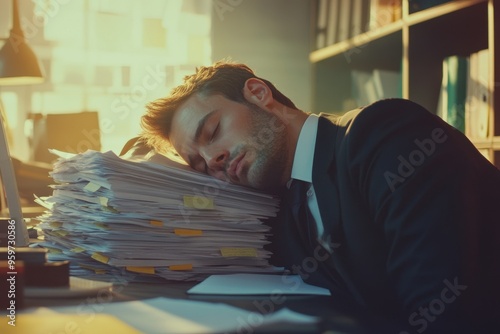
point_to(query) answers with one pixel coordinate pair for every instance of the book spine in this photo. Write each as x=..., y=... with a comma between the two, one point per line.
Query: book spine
x=457, y=72
x=383, y=12
x=333, y=21
x=483, y=91
x=322, y=18
x=344, y=20
x=357, y=18
x=478, y=96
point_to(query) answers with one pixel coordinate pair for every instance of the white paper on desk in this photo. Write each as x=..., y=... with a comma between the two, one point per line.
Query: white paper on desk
x=165, y=315
x=256, y=284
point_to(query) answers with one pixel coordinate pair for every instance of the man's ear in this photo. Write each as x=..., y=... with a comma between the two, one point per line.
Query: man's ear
x=257, y=92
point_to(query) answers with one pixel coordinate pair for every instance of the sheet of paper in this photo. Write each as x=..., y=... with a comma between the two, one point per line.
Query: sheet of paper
x=256, y=284
x=177, y=316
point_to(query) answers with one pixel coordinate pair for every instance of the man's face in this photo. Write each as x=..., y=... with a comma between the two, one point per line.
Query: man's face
x=235, y=142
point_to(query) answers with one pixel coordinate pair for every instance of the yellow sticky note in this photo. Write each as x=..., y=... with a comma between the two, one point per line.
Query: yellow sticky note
x=142, y=270
x=102, y=226
x=77, y=250
x=178, y=267
x=92, y=187
x=61, y=233
x=103, y=201
x=199, y=202
x=184, y=232
x=239, y=252
x=109, y=209
x=53, y=250
x=99, y=257
x=86, y=266
x=55, y=224
x=156, y=223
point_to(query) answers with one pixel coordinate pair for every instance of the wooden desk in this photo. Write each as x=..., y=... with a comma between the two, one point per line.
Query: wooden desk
x=337, y=316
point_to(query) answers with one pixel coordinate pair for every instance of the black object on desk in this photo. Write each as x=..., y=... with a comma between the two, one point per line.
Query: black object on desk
x=37, y=270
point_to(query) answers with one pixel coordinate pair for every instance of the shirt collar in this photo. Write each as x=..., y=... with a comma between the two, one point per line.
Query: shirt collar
x=304, y=152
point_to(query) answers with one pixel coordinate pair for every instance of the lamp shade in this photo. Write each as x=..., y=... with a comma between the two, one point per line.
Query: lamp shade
x=18, y=63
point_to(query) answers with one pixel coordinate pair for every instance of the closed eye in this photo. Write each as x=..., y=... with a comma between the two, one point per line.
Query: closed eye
x=215, y=132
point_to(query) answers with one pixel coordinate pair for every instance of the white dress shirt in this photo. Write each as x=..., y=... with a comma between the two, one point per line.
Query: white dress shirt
x=303, y=165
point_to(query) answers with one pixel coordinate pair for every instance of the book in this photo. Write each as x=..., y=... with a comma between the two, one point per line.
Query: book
x=333, y=22
x=383, y=12
x=442, y=105
x=478, y=96
x=322, y=21
x=471, y=101
x=357, y=18
x=378, y=84
x=453, y=95
x=483, y=91
x=344, y=18
x=363, y=89
x=388, y=84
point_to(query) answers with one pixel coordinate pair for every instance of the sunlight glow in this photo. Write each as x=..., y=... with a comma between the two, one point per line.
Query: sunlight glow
x=113, y=57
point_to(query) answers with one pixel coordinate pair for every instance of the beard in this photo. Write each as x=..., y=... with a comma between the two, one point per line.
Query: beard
x=267, y=149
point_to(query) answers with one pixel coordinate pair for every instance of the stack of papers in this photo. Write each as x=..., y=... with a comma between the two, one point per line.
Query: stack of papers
x=153, y=217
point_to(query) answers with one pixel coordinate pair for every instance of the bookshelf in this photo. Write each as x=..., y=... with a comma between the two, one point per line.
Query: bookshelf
x=414, y=44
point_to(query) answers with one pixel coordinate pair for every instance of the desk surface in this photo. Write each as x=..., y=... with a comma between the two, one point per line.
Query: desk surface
x=337, y=315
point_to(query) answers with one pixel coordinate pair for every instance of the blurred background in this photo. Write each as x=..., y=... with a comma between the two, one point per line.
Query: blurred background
x=103, y=60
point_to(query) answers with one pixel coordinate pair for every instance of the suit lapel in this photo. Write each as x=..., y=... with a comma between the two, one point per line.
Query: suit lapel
x=329, y=137
x=324, y=180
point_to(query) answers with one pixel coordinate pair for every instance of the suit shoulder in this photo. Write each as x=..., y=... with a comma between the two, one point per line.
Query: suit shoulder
x=387, y=109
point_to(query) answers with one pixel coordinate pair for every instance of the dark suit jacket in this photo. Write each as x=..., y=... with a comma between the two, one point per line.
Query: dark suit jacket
x=413, y=211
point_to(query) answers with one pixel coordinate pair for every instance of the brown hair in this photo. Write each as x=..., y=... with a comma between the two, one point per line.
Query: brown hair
x=223, y=77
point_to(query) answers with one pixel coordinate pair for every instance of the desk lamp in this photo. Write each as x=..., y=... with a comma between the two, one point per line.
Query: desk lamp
x=18, y=66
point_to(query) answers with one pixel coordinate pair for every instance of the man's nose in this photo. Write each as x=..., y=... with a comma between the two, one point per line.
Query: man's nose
x=216, y=160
